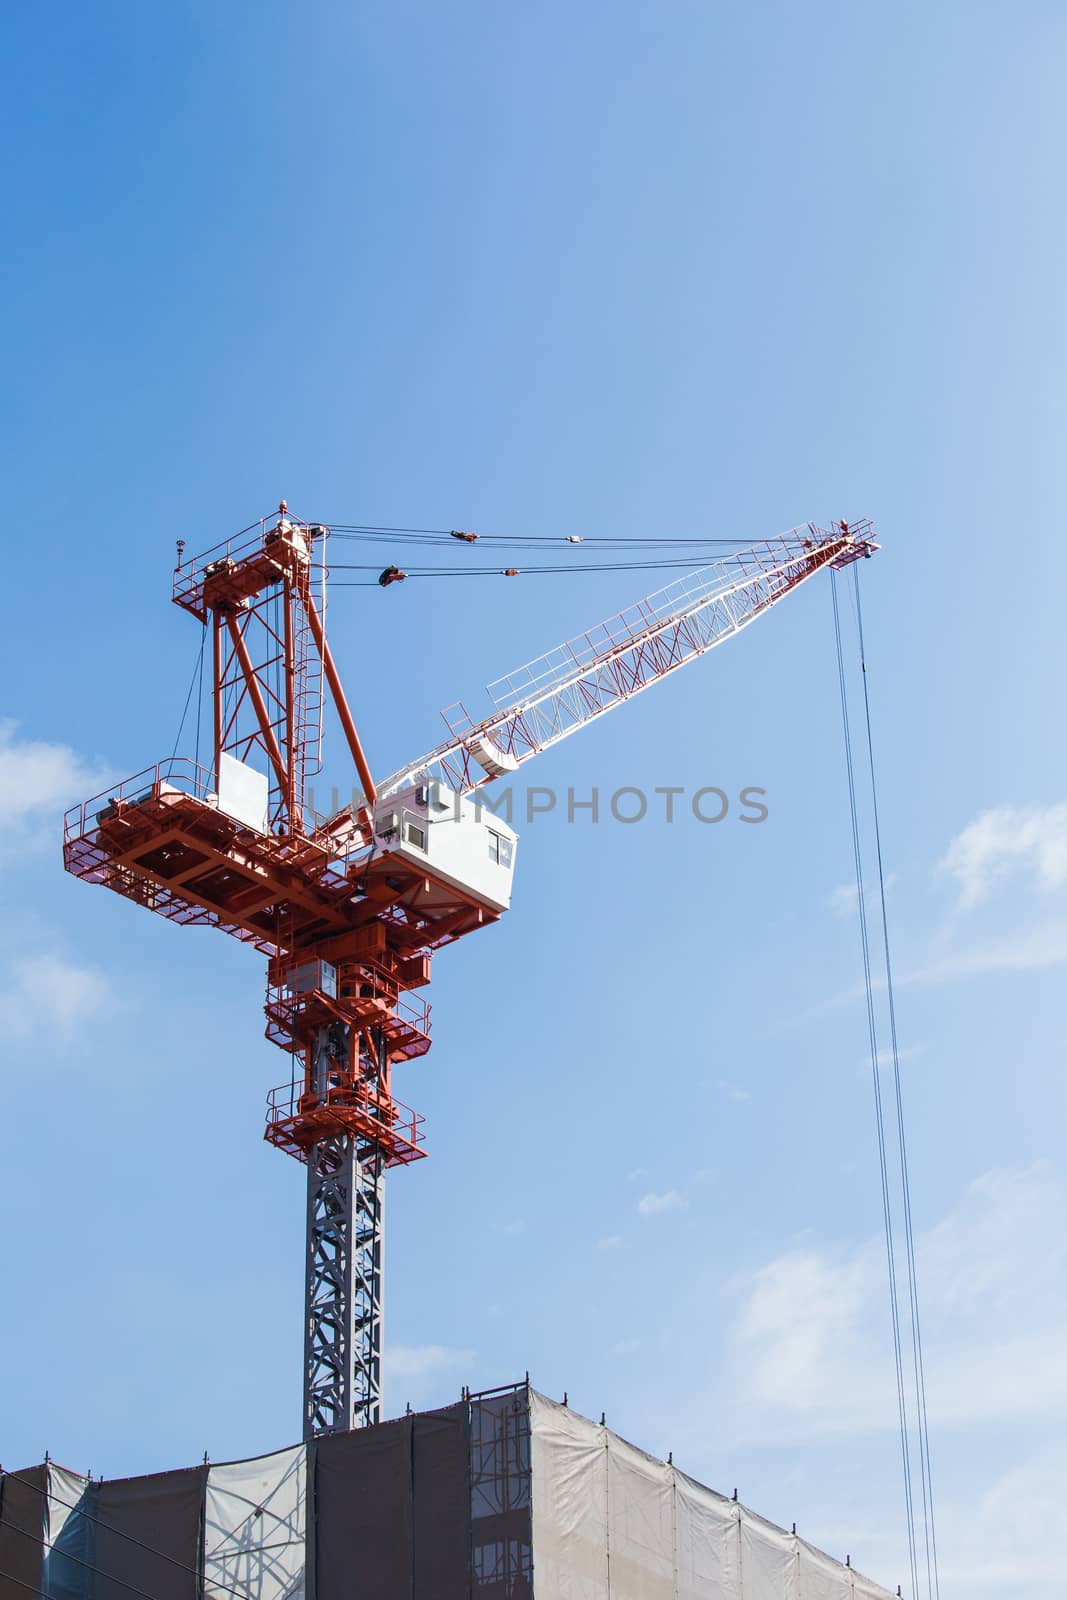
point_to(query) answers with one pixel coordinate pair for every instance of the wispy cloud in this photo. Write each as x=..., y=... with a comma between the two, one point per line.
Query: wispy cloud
x=1006, y=840
x=810, y=1342
x=654, y=1205
x=37, y=780
x=47, y=991
x=732, y=1092
x=1029, y=950
x=610, y=1241
x=516, y=1225
x=843, y=900
x=624, y=1347
x=421, y=1360
x=424, y=1374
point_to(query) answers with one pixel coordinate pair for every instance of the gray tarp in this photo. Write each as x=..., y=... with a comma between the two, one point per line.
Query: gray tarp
x=611, y=1523
x=141, y=1522
x=363, y=1513
x=22, y=1521
x=255, y=1523
x=69, y=1544
x=441, y=1503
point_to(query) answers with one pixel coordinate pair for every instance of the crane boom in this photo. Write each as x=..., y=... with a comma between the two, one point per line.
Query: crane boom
x=551, y=697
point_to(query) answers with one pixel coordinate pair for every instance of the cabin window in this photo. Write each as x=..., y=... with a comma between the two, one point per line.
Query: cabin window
x=499, y=848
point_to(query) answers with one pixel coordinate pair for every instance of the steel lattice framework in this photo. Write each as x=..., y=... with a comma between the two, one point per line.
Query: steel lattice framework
x=343, y=1306
x=349, y=924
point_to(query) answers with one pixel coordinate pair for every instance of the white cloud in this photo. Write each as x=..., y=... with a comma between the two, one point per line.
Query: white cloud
x=510, y=1228
x=38, y=779
x=843, y=900
x=732, y=1092
x=424, y=1373
x=811, y=1345
x=1032, y=949
x=1029, y=950
x=612, y=1241
x=1015, y=1514
x=624, y=1347
x=653, y=1205
x=1032, y=839
x=417, y=1360
x=44, y=993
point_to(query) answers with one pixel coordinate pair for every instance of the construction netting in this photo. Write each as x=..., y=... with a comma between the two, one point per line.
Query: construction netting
x=501, y=1497
x=612, y=1523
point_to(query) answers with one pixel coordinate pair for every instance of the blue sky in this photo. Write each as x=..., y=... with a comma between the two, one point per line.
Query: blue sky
x=689, y=269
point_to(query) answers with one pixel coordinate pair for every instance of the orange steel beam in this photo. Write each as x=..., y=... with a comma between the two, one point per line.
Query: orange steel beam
x=255, y=694
x=334, y=680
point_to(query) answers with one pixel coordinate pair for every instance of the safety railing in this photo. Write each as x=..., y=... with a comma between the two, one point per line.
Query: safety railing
x=178, y=774
x=289, y=1106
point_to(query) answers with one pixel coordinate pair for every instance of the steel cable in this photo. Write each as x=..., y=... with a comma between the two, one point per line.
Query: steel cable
x=883, y=1161
x=909, y=1232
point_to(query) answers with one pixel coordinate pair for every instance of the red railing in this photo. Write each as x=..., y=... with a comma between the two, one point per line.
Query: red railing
x=179, y=773
x=296, y=1120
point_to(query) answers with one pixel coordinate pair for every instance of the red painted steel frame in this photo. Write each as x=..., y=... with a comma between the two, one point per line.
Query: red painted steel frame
x=363, y=924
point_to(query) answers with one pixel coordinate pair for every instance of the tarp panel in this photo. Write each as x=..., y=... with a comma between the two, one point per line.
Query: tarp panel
x=707, y=1542
x=819, y=1576
x=441, y=1503
x=160, y=1512
x=69, y=1545
x=768, y=1560
x=640, y=1524
x=569, y=1507
x=22, y=1525
x=255, y=1519
x=363, y=1514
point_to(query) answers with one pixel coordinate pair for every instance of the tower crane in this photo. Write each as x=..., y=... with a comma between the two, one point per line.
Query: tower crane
x=349, y=909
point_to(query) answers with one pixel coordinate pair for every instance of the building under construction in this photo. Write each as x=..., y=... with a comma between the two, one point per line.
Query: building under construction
x=504, y=1496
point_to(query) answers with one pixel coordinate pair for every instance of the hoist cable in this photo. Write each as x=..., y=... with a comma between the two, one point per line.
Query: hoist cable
x=883, y=1163
x=200, y=695
x=909, y=1233
x=375, y=532
x=197, y=677
x=518, y=572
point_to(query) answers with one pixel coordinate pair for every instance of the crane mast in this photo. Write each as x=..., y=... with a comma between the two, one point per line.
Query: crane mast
x=349, y=910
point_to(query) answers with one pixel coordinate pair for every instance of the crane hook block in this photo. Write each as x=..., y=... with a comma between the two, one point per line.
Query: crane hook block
x=391, y=575
x=468, y=538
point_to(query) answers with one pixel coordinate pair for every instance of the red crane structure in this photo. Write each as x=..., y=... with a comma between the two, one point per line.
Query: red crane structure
x=349, y=909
